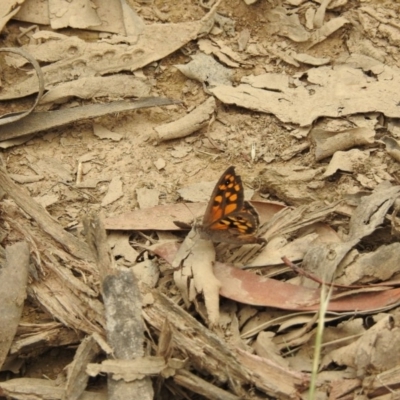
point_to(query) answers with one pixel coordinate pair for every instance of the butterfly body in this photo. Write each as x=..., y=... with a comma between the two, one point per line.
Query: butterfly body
x=228, y=217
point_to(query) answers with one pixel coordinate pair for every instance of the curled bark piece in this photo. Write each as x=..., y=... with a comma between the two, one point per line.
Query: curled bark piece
x=326, y=30
x=328, y=143
x=188, y=124
x=194, y=273
x=323, y=258
x=345, y=161
x=12, y=117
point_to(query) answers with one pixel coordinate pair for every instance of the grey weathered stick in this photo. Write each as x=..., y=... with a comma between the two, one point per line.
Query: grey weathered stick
x=123, y=304
x=40, y=121
x=21, y=197
x=125, y=327
x=13, y=281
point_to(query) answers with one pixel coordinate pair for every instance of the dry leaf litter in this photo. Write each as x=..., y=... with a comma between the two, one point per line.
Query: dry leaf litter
x=116, y=120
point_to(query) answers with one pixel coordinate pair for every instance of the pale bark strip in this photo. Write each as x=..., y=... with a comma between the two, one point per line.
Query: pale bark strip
x=96, y=238
x=13, y=281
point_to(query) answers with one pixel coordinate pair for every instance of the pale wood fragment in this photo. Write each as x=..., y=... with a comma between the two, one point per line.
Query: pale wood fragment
x=77, y=377
x=43, y=389
x=207, y=352
x=197, y=385
x=43, y=219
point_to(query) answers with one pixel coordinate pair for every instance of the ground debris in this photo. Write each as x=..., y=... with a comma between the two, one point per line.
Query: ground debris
x=301, y=97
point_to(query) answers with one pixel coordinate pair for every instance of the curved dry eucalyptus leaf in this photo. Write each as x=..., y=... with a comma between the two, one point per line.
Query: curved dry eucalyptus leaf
x=327, y=143
x=329, y=96
x=373, y=351
x=320, y=13
x=379, y=265
x=278, y=247
x=115, y=87
x=310, y=60
x=392, y=147
x=203, y=68
x=287, y=25
x=40, y=121
x=13, y=117
x=8, y=8
x=346, y=161
x=372, y=211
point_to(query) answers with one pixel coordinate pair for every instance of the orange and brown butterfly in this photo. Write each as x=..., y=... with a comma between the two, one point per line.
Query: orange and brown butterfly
x=228, y=217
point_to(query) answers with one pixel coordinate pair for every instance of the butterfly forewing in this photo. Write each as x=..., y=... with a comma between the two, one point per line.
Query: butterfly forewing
x=228, y=218
x=227, y=197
